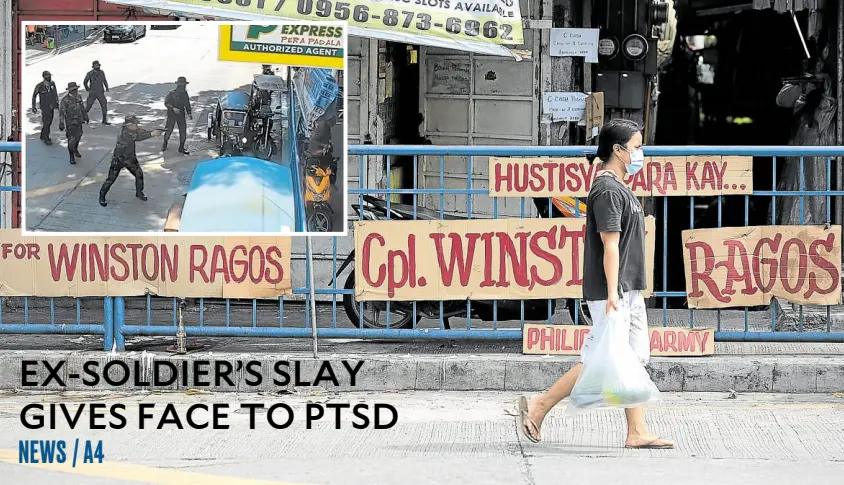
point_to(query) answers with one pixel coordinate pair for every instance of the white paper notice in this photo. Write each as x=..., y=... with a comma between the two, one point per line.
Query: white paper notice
x=564, y=106
x=575, y=43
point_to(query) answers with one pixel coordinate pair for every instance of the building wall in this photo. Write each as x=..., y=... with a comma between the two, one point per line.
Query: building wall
x=7, y=73
x=473, y=99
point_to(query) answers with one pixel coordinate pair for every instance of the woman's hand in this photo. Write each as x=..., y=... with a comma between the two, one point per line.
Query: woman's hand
x=612, y=303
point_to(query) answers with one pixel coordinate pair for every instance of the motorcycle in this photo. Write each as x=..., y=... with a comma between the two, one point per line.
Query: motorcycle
x=318, y=185
x=485, y=310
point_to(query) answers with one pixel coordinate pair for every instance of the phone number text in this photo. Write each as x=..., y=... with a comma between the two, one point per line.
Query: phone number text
x=404, y=19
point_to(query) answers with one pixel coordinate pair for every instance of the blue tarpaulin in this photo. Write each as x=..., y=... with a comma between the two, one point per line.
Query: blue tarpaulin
x=240, y=194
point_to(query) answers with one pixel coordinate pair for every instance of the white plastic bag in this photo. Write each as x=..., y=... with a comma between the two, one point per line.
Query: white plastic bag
x=612, y=376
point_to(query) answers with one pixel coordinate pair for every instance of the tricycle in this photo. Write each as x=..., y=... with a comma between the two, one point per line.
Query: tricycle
x=228, y=123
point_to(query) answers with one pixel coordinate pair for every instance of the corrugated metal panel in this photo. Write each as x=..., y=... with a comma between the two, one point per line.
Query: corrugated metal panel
x=788, y=5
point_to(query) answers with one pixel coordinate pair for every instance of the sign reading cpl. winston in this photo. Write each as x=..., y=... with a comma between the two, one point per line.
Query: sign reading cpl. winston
x=491, y=259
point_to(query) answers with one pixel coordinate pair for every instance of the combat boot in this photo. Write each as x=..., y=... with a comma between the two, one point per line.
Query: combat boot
x=48, y=141
x=72, y=159
x=164, y=146
x=77, y=154
x=141, y=196
x=102, y=200
x=183, y=151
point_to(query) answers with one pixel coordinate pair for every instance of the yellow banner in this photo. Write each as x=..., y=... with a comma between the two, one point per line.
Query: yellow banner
x=496, y=22
x=312, y=45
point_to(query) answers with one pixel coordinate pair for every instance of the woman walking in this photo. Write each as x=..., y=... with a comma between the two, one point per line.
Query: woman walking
x=613, y=274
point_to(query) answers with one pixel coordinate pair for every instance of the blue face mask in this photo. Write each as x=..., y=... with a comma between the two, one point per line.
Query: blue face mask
x=637, y=161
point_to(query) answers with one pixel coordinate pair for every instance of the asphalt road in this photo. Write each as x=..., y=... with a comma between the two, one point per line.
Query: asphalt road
x=444, y=438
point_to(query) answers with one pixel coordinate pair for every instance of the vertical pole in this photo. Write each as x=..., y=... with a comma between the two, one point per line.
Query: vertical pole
x=119, y=316
x=309, y=260
x=181, y=347
x=108, y=323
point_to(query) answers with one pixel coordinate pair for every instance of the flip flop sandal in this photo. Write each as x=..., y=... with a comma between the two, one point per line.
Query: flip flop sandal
x=526, y=421
x=652, y=445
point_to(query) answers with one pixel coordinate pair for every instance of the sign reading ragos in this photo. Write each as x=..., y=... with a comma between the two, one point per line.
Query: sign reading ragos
x=747, y=266
x=305, y=45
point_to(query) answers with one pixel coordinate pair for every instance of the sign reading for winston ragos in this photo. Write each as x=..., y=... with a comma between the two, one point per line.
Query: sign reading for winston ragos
x=211, y=267
x=304, y=45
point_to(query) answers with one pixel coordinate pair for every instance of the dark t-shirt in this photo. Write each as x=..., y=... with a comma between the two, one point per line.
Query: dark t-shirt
x=612, y=207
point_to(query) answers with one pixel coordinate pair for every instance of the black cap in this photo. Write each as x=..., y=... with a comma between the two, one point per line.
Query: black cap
x=182, y=80
x=131, y=119
x=72, y=86
x=45, y=74
x=95, y=64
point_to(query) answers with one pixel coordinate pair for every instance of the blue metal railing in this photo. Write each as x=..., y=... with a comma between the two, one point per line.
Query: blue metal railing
x=287, y=317
x=271, y=320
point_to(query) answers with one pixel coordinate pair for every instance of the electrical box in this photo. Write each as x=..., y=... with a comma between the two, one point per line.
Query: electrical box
x=627, y=49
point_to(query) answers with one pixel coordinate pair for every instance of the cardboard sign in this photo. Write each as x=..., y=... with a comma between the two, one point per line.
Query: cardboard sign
x=489, y=259
x=568, y=42
x=563, y=106
x=661, y=176
x=748, y=266
x=568, y=340
x=594, y=115
x=288, y=44
x=213, y=267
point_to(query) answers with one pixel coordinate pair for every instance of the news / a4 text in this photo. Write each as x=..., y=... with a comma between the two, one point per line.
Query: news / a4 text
x=72, y=452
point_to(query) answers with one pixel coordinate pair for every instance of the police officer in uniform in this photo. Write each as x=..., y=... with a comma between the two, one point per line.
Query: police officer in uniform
x=49, y=95
x=96, y=84
x=125, y=157
x=177, y=103
x=71, y=116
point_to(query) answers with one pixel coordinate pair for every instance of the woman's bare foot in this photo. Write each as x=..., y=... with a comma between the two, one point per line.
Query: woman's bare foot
x=648, y=443
x=531, y=418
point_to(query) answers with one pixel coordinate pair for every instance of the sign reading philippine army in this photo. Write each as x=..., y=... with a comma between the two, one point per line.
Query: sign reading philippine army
x=490, y=259
x=568, y=340
x=213, y=267
x=477, y=21
x=662, y=176
x=306, y=45
x=747, y=266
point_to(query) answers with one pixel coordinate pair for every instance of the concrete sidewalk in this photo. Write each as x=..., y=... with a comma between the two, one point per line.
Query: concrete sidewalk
x=447, y=438
x=739, y=367
x=63, y=197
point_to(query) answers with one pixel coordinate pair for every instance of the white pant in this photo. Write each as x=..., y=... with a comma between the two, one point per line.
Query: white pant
x=632, y=307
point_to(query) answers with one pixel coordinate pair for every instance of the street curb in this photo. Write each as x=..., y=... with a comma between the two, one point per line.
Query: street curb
x=501, y=372
x=81, y=43
x=64, y=48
